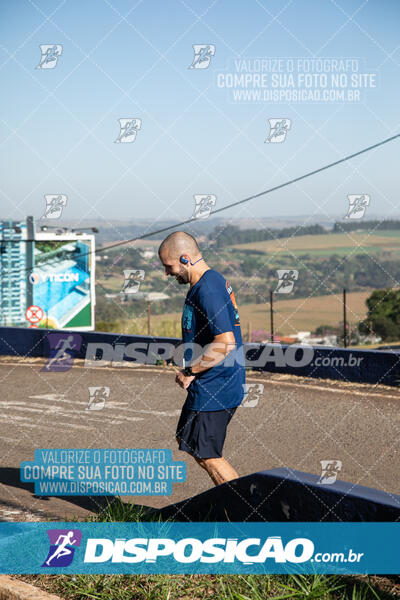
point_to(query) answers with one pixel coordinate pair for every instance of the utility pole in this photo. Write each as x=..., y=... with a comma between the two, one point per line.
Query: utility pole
x=271, y=314
x=148, y=318
x=30, y=250
x=344, y=319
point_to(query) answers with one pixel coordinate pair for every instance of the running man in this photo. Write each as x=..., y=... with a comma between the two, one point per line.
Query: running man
x=215, y=380
x=62, y=549
x=62, y=346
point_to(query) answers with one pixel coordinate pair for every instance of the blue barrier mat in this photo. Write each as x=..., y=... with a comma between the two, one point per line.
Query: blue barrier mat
x=285, y=495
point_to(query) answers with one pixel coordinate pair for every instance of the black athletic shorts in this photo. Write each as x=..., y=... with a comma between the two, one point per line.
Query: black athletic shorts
x=202, y=433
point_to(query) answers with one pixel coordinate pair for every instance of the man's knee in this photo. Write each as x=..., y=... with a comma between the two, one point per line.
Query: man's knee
x=207, y=463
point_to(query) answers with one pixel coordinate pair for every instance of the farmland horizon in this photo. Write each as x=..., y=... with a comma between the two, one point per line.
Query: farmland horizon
x=279, y=220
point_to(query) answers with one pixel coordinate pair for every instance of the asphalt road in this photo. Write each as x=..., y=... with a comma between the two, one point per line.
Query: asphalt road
x=296, y=423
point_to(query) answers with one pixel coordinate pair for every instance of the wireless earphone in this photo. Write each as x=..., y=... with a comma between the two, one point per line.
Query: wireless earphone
x=185, y=261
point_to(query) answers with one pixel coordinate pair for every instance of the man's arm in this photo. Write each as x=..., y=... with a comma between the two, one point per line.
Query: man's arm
x=222, y=344
x=215, y=353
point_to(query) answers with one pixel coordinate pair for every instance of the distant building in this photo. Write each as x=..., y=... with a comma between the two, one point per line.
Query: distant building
x=13, y=272
x=148, y=253
x=155, y=296
x=302, y=335
x=313, y=340
x=287, y=339
x=148, y=296
x=305, y=337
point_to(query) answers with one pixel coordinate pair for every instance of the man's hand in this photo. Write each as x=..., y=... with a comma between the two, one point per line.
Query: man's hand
x=183, y=380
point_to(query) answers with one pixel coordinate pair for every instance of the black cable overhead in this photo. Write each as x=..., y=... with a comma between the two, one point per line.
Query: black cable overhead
x=264, y=193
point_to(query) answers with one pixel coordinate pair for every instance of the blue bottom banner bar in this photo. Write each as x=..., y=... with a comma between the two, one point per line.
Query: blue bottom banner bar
x=167, y=547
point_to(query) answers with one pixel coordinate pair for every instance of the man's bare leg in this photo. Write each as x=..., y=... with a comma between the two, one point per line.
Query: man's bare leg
x=218, y=469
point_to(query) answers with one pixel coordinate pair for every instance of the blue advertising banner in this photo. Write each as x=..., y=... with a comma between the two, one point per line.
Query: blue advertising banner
x=52, y=281
x=61, y=282
x=166, y=547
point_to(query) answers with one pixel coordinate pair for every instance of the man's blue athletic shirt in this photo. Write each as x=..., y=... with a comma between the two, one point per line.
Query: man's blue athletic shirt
x=210, y=309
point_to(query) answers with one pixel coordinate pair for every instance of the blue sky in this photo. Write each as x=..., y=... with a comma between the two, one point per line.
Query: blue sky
x=125, y=59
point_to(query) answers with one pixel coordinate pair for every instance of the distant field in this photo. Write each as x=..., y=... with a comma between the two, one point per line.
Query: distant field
x=290, y=316
x=334, y=243
x=305, y=314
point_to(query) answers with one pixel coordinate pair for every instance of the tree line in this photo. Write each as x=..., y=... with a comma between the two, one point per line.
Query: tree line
x=352, y=225
x=226, y=235
x=231, y=234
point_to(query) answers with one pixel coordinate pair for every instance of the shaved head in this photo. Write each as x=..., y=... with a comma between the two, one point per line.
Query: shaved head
x=170, y=251
x=177, y=243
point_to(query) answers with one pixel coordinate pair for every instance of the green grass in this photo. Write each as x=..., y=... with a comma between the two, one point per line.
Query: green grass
x=215, y=587
x=203, y=587
x=388, y=233
x=118, y=511
x=332, y=243
x=340, y=251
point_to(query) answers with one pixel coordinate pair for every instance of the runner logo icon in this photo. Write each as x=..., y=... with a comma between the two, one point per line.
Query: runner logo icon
x=61, y=552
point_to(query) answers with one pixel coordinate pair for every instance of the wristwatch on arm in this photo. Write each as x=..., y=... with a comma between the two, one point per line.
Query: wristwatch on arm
x=187, y=371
